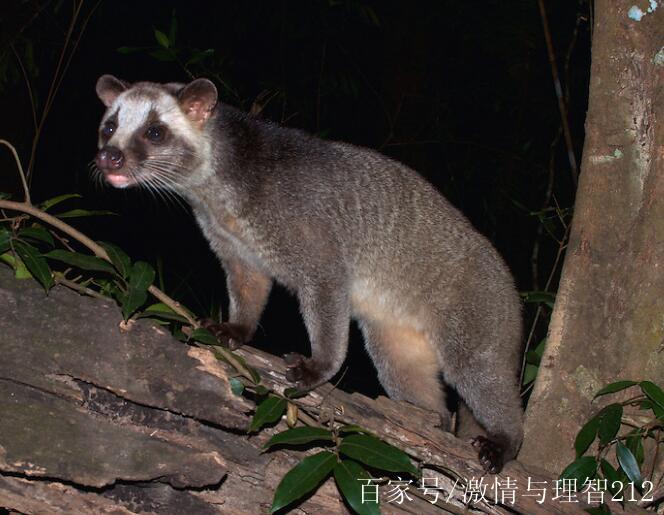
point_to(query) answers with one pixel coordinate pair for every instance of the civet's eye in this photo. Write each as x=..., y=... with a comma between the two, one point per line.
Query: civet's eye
x=155, y=133
x=108, y=129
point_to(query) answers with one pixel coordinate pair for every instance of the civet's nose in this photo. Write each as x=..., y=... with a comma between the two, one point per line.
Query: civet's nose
x=110, y=158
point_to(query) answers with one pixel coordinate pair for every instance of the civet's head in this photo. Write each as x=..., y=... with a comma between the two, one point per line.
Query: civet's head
x=153, y=134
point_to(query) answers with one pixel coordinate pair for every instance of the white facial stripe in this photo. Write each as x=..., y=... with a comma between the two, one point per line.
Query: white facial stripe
x=132, y=114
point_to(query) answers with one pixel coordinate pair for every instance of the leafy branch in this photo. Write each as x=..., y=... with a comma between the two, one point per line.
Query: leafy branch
x=604, y=427
x=135, y=279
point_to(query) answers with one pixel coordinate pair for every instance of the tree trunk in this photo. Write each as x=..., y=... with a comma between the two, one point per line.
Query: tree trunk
x=95, y=420
x=608, y=321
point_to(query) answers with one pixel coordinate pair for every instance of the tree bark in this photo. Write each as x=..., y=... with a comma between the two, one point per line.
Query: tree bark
x=608, y=321
x=96, y=420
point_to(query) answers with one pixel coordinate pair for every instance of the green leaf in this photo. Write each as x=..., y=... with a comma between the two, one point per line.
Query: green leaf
x=634, y=443
x=140, y=278
x=628, y=464
x=532, y=358
x=237, y=386
x=204, y=336
x=371, y=15
x=118, y=257
x=581, y=469
x=82, y=261
x=539, y=297
x=268, y=411
x=8, y=258
x=37, y=233
x=614, y=481
x=161, y=310
x=658, y=411
x=586, y=436
x=161, y=38
x=539, y=349
x=653, y=392
x=350, y=476
x=611, y=475
x=20, y=271
x=5, y=236
x=35, y=263
x=47, y=204
x=609, y=423
x=602, y=509
x=80, y=213
x=260, y=390
x=303, y=478
x=109, y=288
x=299, y=436
x=294, y=393
x=254, y=374
x=4, y=195
x=162, y=55
x=529, y=373
x=199, y=56
x=377, y=454
x=615, y=387
x=180, y=336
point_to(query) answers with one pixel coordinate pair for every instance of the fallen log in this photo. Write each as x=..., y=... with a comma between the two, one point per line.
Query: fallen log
x=95, y=419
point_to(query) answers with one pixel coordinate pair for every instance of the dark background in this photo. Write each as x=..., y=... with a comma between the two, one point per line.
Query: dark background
x=460, y=91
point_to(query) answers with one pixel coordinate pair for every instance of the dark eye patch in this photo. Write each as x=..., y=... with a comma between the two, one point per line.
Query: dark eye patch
x=156, y=133
x=110, y=126
x=108, y=129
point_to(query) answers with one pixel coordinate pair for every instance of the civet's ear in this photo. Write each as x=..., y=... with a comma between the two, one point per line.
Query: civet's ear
x=109, y=87
x=173, y=88
x=197, y=100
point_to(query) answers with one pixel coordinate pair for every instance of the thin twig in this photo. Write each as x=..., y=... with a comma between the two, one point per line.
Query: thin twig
x=559, y=94
x=63, y=241
x=73, y=50
x=26, y=191
x=534, y=257
x=60, y=279
x=97, y=249
x=35, y=14
x=25, y=207
x=33, y=108
x=173, y=304
x=100, y=252
x=570, y=48
x=52, y=90
x=304, y=417
x=563, y=101
x=562, y=245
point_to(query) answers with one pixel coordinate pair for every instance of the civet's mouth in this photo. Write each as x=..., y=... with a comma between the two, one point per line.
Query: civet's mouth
x=118, y=179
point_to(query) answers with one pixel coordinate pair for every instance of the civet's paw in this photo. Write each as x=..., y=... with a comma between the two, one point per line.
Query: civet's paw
x=489, y=453
x=229, y=335
x=301, y=371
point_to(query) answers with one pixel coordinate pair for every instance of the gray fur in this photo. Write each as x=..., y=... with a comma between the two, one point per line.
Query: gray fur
x=353, y=234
